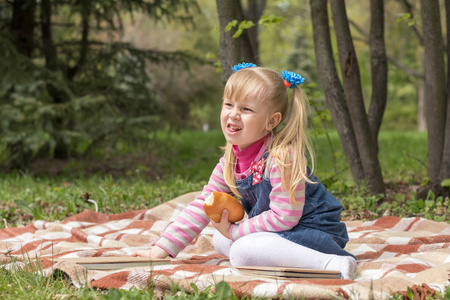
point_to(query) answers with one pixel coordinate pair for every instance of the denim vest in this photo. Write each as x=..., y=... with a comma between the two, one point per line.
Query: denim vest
x=319, y=228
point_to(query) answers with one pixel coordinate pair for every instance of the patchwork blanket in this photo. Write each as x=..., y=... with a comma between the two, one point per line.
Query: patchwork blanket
x=393, y=253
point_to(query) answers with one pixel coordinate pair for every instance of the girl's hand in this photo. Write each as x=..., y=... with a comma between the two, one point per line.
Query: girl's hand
x=156, y=252
x=224, y=226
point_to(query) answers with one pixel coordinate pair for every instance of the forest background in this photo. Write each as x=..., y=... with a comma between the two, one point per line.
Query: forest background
x=132, y=89
x=119, y=101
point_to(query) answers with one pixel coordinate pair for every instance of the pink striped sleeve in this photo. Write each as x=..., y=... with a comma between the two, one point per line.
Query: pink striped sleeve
x=192, y=220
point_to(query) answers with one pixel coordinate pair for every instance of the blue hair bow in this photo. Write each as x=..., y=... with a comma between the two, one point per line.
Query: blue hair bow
x=291, y=79
x=242, y=66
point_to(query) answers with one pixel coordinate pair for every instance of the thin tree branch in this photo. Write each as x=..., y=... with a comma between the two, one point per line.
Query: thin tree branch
x=395, y=62
x=409, y=7
x=359, y=29
x=404, y=68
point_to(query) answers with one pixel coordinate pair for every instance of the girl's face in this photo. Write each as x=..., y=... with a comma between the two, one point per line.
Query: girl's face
x=245, y=122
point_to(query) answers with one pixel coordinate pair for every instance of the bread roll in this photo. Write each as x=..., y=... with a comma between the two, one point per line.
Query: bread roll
x=218, y=201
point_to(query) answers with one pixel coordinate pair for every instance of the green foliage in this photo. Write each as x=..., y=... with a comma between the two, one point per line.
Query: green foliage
x=430, y=208
x=357, y=203
x=224, y=291
x=90, y=113
x=433, y=208
x=242, y=26
x=231, y=25
x=410, y=295
x=82, y=90
x=270, y=19
x=246, y=24
x=446, y=183
x=25, y=105
x=406, y=17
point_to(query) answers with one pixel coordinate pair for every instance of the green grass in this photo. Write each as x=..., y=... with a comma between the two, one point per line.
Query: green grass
x=402, y=156
x=24, y=198
x=192, y=155
x=187, y=159
x=28, y=285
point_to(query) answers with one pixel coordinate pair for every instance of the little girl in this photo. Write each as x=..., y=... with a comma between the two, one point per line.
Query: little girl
x=293, y=221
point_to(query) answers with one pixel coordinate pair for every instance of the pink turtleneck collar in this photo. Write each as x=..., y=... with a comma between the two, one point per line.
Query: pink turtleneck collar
x=244, y=158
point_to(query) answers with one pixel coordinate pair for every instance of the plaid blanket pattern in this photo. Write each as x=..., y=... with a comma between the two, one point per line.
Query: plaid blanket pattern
x=393, y=254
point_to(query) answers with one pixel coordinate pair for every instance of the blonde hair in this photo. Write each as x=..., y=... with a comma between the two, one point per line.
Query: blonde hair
x=267, y=85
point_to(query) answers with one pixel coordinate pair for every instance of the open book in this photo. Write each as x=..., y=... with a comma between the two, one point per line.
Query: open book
x=291, y=273
x=115, y=262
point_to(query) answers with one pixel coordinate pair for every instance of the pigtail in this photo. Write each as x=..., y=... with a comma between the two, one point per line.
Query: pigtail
x=228, y=171
x=293, y=164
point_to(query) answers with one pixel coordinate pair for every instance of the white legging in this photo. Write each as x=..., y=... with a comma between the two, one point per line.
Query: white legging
x=271, y=250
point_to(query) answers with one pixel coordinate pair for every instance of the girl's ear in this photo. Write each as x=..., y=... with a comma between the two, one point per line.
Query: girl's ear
x=273, y=121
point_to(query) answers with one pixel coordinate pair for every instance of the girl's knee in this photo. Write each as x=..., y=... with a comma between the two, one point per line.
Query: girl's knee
x=244, y=253
x=240, y=257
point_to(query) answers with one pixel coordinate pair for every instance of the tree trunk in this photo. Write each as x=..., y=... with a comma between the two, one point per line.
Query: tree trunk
x=445, y=166
x=230, y=48
x=84, y=43
x=250, y=43
x=48, y=48
x=22, y=25
x=22, y=31
x=421, y=118
x=378, y=62
x=435, y=88
x=354, y=97
x=334, y=93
